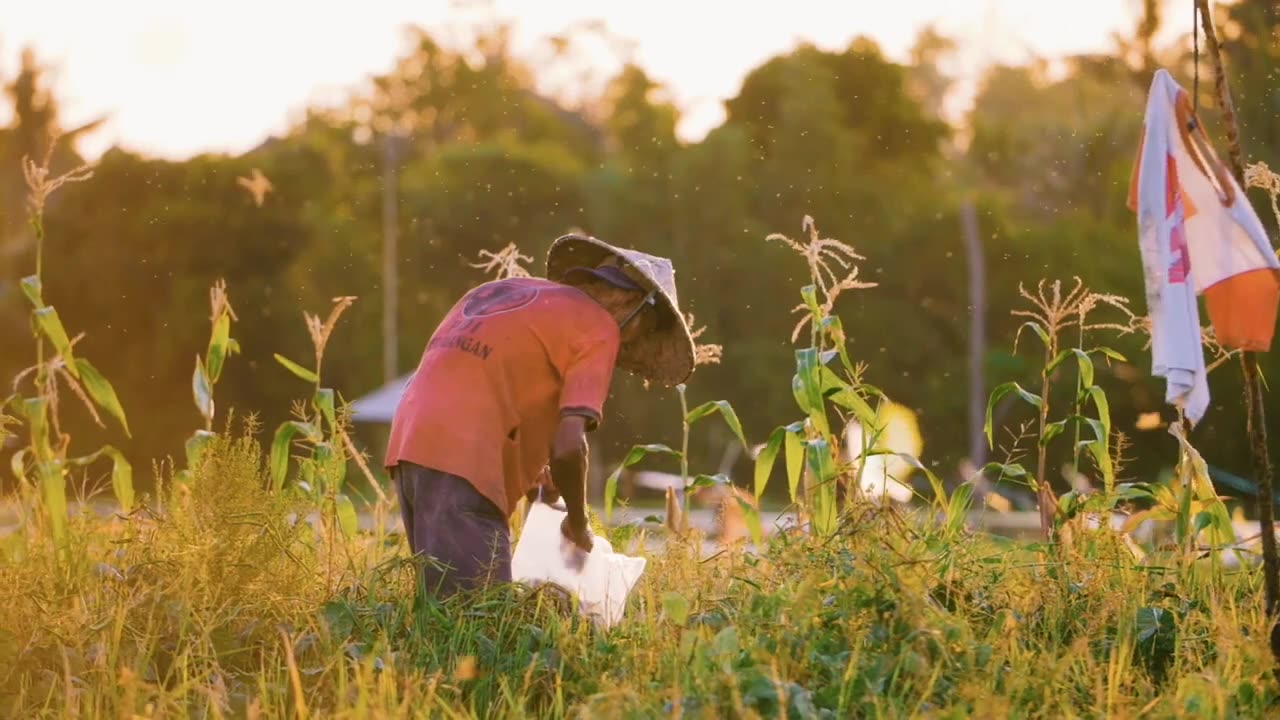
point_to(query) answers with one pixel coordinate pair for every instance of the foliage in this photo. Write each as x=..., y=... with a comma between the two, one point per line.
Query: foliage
x=214, y=604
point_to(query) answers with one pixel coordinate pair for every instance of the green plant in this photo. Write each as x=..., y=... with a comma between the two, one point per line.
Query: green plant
x=1052, y=314
x=320, y=429
x=209, y=370
x=811, y=444
x=691, y=485
x=45, y=461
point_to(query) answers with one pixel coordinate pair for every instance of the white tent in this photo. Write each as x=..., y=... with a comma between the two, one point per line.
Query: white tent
x=379, y=406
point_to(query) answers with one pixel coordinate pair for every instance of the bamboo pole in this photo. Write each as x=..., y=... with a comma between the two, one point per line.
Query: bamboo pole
x=1257, y=424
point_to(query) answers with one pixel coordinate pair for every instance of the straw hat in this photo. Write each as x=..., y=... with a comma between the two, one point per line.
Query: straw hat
x=664, y=356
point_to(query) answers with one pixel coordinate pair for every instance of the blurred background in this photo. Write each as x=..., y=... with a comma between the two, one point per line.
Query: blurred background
x=390, y=143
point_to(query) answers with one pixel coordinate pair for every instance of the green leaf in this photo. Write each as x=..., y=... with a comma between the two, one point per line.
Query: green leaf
x=676, y=607
x=726, y=411
x=835, y=330
x=339, y=619
x=939, y=492
x=32, y=289
x=635, y=455
x=121, y=473
x=752, y=517
x=51, y=325
x=846, y=395
x=1099, y=398
x=219, y=341
x=1053, y=430
x=1111, y=354
x=706, y=481
x=103, y=394
x=347, y=520
x=233, y=346
x=1153, y=623
x=297, y=369
x=823, y=469
x=1044, y=335
x=324, y=402
x=765, y=460
x=1134, y=491
x=958, y=508
x=197, y=444
x=811, y=388
x=1005, y=470
x=280, y=448
x=999, y=393
x=724, y=646
x=200, y=390
x=809, y=293
x=796, y=451
x=1083, y=361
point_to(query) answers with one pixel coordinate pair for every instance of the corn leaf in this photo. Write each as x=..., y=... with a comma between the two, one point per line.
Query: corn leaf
x=324, y=402
x=201, y=391
x=635, y=455
x=219, y=346
x=32, y=289
x=348, y=522
x=958, y=508
x=103, y=394
x=796, y=450
x=1002, y=390
x=280, y=448
x=726, y=411
x=705, y=481
x=752, y=517
x=196, y=445
x=808, y=367
x=297, y=369
x=51, y=325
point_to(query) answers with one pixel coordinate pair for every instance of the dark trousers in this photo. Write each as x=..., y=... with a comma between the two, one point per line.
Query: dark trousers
x=463, y=534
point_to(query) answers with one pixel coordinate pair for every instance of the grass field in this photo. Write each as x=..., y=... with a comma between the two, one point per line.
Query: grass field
x=216, y=605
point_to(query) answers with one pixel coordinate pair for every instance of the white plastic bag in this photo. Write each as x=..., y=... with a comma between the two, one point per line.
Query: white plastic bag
x=542, y=555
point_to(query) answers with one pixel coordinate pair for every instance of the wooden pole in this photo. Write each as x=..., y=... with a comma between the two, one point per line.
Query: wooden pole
x=977, y=333
x=1257, y=422
x=390, y=263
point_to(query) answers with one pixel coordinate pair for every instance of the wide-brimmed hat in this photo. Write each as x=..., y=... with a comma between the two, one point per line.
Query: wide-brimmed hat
x=664, y=356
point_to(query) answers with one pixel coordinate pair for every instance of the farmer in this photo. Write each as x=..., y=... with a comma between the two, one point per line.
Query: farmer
x=509, y=384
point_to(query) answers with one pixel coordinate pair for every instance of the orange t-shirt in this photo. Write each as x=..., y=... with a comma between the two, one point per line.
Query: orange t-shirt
x=507, y=362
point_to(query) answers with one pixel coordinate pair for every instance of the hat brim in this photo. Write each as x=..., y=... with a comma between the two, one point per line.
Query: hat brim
x=665, y=357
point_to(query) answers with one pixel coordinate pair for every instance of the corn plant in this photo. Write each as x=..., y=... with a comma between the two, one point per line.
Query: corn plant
x=323, y=469
x=209, y=370
x=1051, y=315
x=697, y=482
x=46, y=460
x=811, y=444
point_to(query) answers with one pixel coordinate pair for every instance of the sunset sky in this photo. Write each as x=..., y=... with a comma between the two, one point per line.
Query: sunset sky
x=177, y=78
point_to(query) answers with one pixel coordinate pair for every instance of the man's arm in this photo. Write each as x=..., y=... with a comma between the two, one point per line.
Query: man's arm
x=569, y=474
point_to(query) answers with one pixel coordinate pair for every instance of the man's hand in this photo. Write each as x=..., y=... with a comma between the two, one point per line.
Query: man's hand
x=579, y=533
